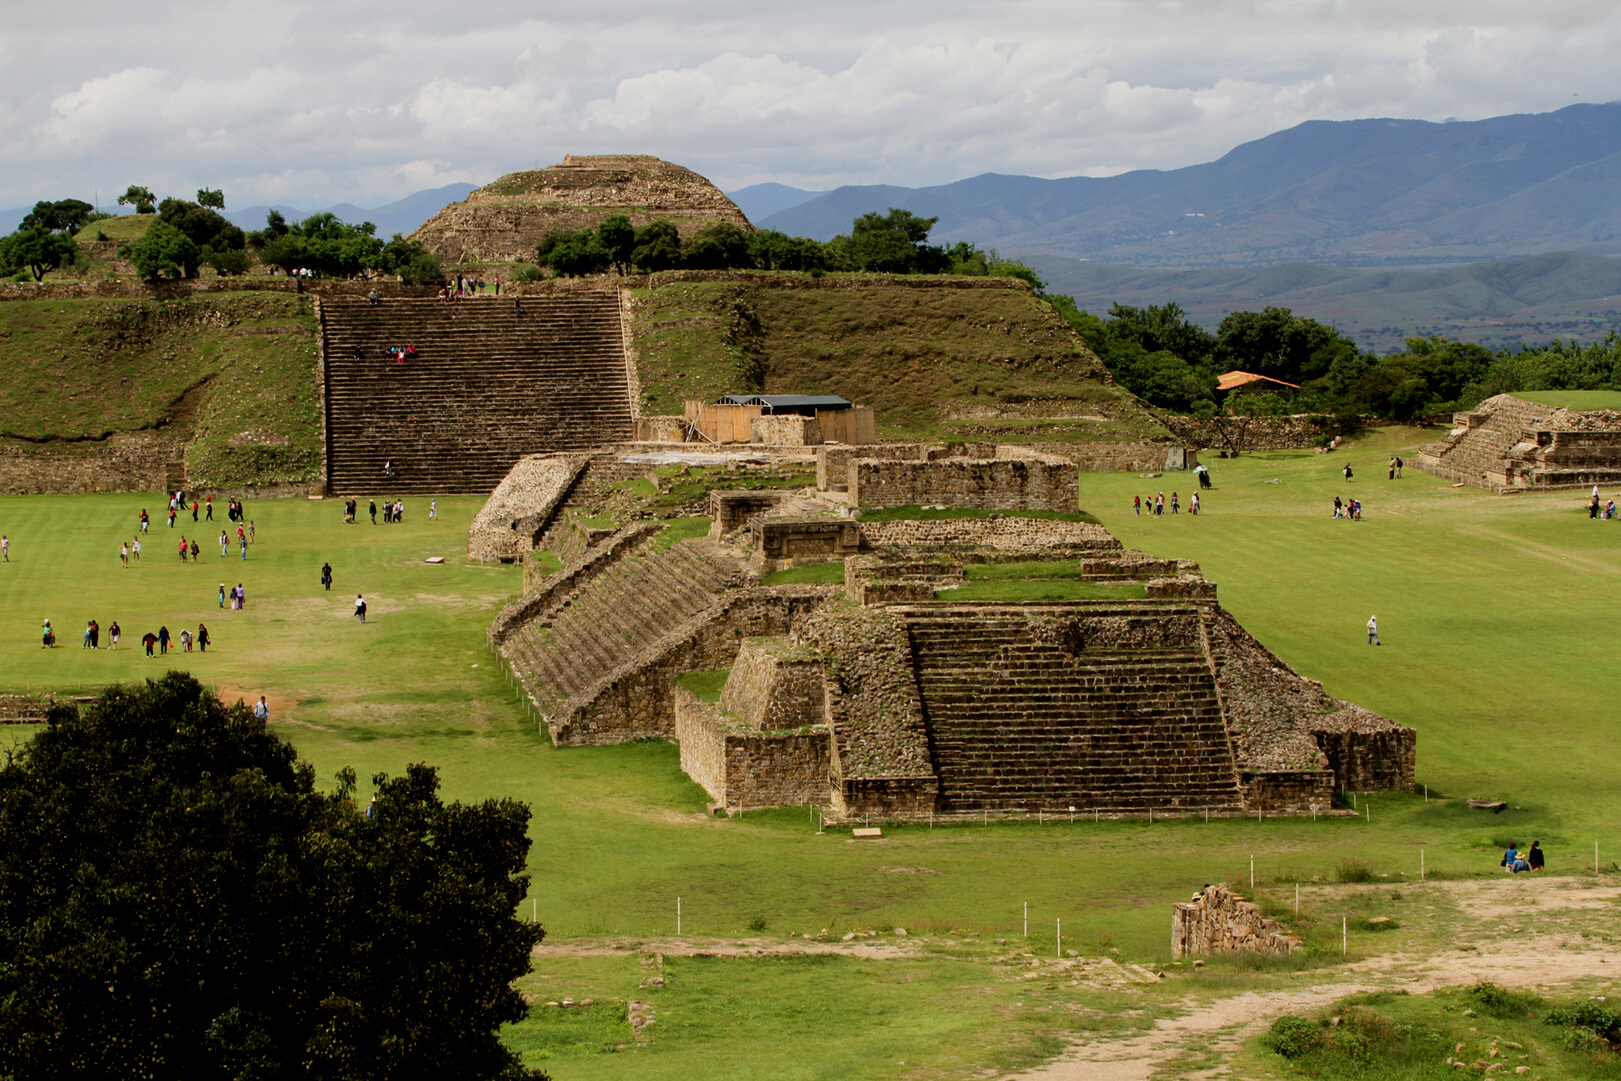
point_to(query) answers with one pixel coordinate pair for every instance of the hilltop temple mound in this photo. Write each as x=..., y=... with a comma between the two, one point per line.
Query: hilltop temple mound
x=1509, y=444
x=504, y=220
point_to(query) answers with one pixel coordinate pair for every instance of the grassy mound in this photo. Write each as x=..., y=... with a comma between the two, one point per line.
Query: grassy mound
x=934, y=362
x=231, y=377
x=1579, y=400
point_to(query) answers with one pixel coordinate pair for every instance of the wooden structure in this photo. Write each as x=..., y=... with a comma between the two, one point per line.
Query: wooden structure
x=730, y=419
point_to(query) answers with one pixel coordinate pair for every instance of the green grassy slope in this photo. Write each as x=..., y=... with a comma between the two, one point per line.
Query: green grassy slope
x=1579, y=400
x=232, y=375
x=924, y=358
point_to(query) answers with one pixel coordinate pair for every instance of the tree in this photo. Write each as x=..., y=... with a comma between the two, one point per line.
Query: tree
x=177, y=900
x=658, y=246
x=720, y=245
x=1276, y=342
x=211, y=197
x=163, y=250
x=140, y=198
x=39, y=250
x=275, y=226
x=1162, y=326
x=618, y=237
x=205, y=227
x=63, y=216
x=580, y=255
x=771, y=249
x=892, y=243
x=225, y=261
x=412, y=261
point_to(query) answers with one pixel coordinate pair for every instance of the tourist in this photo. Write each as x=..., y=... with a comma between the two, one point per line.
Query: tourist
x=250, y=530
x=373, y=299
x=202, y=638
x=1204, y=475
x=5, y=548
x=360, y=608
x=194, y=510
x=243, y=541
x=209, y=504
x=222, y=591
x=85, y=643
x=326, y=576
x=95, y=635
x=1347, y=471
x=143, y=520
x=195, y=549
x=185, y=640
x=171, y=516
x=1609, y=510
x=241, y=596
x=261, y=709
x=1398, y=467
x=374, y=512
x=388, y=469
x=1592, y=508
x=1137, y=505
x=399, y=510
x=113, y=633
x=1513, y=860
x=47, y=637
x=433, y=504
x=1392, y=468
x=184, y=548
x=517, y=306
x=498, y=285
x=1356, y=510
x=163, y=640
x=135, y=551
x=1373, y=631
x=1159, y=505
x=1534, y=857
x=1193, y=503
x=1175, y=504
x=225, y=544
x=123, y=554
x=149, y=641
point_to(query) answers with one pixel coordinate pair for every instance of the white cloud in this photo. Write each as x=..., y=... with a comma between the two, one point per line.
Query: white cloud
x=348, y=101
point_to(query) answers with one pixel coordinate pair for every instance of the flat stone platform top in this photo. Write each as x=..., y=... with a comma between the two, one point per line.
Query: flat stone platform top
x=506, y=218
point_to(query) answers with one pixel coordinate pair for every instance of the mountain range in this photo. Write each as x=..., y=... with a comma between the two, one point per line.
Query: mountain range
x=1349, y=193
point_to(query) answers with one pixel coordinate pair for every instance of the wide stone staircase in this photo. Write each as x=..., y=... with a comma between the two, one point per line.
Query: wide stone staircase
x=1475, y=449
x=565, y=651
x=486, y=386
x=1016, y=723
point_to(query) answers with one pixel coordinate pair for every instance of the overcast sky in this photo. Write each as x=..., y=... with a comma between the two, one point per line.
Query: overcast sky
x=316, y=103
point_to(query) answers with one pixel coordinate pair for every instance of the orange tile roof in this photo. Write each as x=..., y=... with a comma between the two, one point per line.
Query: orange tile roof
x=1229, y=380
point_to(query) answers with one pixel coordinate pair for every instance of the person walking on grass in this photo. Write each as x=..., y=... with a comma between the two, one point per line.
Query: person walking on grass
x=1373, y=630
x=185, y=640
x=1193, y=504
x=1137, y=505
x=1392, y=468
x=241, y=596
x=222, y=595
x=250, y=530
x=5, y=548
x=149, y=640
x=144, y=520
x=202, y=638
x=209, y=506
x=374, y=512
x=135, y=551
x=195, y=549
x=225, y=544
x=326, y=576
x=1176, y=504
x=261, y=710
x=433, y=505
x=1347, y=470
x=163, y=640
x=85, y=643
x=360, y=608
x=184, y=548
x=123, y=554
x=113, y=634
x=244, y=546
x=194, y=510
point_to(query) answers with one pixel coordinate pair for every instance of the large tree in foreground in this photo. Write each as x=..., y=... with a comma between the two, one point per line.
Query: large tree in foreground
x=177, y=900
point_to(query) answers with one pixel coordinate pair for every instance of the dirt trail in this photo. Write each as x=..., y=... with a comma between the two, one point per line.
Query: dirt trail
x=881, y=948
x=1216, y=1029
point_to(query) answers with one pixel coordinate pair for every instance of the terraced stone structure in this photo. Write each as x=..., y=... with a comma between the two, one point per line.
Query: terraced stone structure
x=504, y=220
x=880, y=698
x=1509, y=444
x=488, y=383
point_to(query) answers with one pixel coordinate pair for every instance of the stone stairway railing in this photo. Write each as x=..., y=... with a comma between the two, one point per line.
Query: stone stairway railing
x=486, y=386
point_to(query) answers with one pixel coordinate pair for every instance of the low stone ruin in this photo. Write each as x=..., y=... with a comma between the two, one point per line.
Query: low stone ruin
x=1219, y=921
x=1510, y=444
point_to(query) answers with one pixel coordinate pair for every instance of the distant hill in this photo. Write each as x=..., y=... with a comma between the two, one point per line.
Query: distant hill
x=1347, y=193
x=760, y=201
x=402, y=216
x=1530, y=300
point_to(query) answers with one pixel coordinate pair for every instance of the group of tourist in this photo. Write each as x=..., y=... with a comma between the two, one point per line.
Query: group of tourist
x=156, y=643
x=238, y=597
x=1516, y=861
x=400, y=353
x=467, y=287
x=1593, y=510
x=1348, y=508
x=1156, y=505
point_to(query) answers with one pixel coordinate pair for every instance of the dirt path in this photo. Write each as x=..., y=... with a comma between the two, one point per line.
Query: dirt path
x=880, y=948
x=1216, y=1029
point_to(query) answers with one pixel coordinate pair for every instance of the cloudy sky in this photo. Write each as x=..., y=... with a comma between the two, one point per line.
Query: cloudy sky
x=315, y=103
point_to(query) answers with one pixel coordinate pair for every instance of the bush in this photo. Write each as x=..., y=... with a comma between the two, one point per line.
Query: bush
x=1589, y=1016
x=1293, y=1036
x=1354, y=870
x=527, y=272
x=757, y=923
x=1502, y=1003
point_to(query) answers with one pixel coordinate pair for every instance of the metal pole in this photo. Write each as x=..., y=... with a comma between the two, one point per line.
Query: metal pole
x=678, y=913
x=1345, y=939
x=1252, y=874
x=1060, y=938
x=1027, y=919
x=1297, y=900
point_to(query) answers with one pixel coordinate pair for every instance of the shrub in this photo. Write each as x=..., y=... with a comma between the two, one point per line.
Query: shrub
x=757, y=923
x=1293, y=1036
x=1587, y=1015
x=1502, y=1003
x=1354, y=870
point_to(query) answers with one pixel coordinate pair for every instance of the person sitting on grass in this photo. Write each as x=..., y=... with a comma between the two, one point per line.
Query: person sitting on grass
x=1513, y=861
x=1534, y=857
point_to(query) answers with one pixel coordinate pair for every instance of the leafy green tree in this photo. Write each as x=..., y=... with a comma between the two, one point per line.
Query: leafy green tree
x=205, y=227
x=140, y=198
x=225, y=261
x=1276, y=342
x=720, y=245
x=770, y=249
x=550, y=239
x=412, y=261
x=178, y=900
x=286, y=252
x=658, y=246
x=213, y=198
x=618, y=237
x=275, y=226
x=580, y=255
x=163, y=250
x=63, y=216
x=1162, y=326
x=892, y=243
x=38, y=250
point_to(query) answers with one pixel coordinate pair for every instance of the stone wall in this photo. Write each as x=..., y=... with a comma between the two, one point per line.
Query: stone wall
x=745, y=768
x=521, y=507
x=732, y=509
x=1299, y=431
x=1014, y=482
x=1008, y=534
x=774, y=684
x=1219, y=921
x=661, y=429
x=637, y=700
x=134, y=462
x=1366, y=752
x=787, y=430
x=1105, y=456
x=788, y=542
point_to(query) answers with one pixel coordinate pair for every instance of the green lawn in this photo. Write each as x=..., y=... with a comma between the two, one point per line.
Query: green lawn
x=1574, y=399
x=1496, y=614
